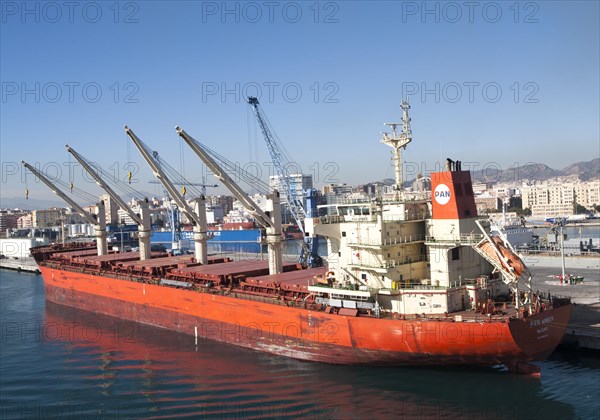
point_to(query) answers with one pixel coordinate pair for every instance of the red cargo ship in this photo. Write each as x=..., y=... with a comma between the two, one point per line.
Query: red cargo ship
x=301, y=313
x=202, y=301
x=407, y=281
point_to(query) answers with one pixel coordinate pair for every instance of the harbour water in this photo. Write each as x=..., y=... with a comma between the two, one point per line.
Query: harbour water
x=58, y=362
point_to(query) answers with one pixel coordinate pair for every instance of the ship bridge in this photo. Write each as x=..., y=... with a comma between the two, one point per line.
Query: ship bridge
x=375, y=244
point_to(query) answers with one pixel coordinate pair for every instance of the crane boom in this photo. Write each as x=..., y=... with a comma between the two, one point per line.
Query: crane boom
x=162, y=177
x=62, y=195
x=252, y=208
x=99, y=221
x=195, y=184
x=294, y=202
x=198, y=217
x=142, y=220
x=270, y=220
x=102, y=184
x=308, y=255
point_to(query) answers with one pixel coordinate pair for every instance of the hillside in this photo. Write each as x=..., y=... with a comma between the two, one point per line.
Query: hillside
x=585, y=170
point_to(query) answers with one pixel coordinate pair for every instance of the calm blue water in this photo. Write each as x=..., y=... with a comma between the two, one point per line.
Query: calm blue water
x=57, y=362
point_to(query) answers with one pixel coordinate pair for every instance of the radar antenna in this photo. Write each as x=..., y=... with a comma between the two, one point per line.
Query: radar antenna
x=398, y=142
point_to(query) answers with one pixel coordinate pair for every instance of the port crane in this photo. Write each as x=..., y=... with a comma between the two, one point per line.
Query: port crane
x=270, y=220
x=197, y=216
x=142, y=219
x=308, y=256
x=97, y=220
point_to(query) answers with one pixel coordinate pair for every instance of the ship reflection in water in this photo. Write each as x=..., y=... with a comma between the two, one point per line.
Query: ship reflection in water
x=106, y=367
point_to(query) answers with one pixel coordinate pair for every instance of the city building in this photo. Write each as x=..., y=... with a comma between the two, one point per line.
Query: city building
x=47, y=218
x=214, y=214
x=299, y=183
x=225, y=201
x=481, y=187
x=487, y=203
x=25, y=221
x=421, y=184
x=111, y=208
x=554, y=198
x=337, y=189
x=8, y=220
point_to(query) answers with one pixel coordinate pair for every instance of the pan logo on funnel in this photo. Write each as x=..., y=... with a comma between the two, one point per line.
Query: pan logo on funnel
x=442, y=194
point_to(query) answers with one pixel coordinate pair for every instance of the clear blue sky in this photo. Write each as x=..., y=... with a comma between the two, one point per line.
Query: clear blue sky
x=166, y=63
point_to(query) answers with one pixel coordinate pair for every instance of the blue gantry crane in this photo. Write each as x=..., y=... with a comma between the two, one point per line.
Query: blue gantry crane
x=308, y=256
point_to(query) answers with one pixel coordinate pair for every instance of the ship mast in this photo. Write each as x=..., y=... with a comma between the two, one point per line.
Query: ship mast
x=398, y=142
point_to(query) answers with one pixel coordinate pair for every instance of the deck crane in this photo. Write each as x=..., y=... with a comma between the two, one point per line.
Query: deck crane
x=172, y=209
x=197, y=215
x=142, y=219
x=202, y=184
x=270, y=220
x=308, y=256
x=97, y=220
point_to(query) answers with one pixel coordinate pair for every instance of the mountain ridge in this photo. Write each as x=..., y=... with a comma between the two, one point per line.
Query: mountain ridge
x=584, y=170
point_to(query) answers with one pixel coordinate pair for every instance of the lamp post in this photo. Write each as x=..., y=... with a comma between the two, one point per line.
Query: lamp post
x=120, y=232
x=562, y=249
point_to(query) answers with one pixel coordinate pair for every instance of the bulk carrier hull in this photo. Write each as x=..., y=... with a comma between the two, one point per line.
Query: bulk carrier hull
x=408, y=279
x=253, y=322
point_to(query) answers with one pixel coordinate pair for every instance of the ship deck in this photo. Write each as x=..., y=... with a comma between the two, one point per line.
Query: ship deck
x=298, y=277
x=226, y=271
x=245, y=278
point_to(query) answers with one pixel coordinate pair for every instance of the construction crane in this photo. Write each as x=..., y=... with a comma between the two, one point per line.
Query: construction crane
x=308, y=256
x=196, y=216
x=142, y=219
x=98, y=220
x=270, y=220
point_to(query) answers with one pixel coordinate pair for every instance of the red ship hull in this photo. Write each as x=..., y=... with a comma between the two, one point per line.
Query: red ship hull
x=311, y=335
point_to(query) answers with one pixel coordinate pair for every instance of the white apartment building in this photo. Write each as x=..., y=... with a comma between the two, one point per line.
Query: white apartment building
x=554, y=198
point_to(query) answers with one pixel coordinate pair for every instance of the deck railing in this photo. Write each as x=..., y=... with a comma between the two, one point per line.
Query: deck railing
x=388, y=240
x=472, y=238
